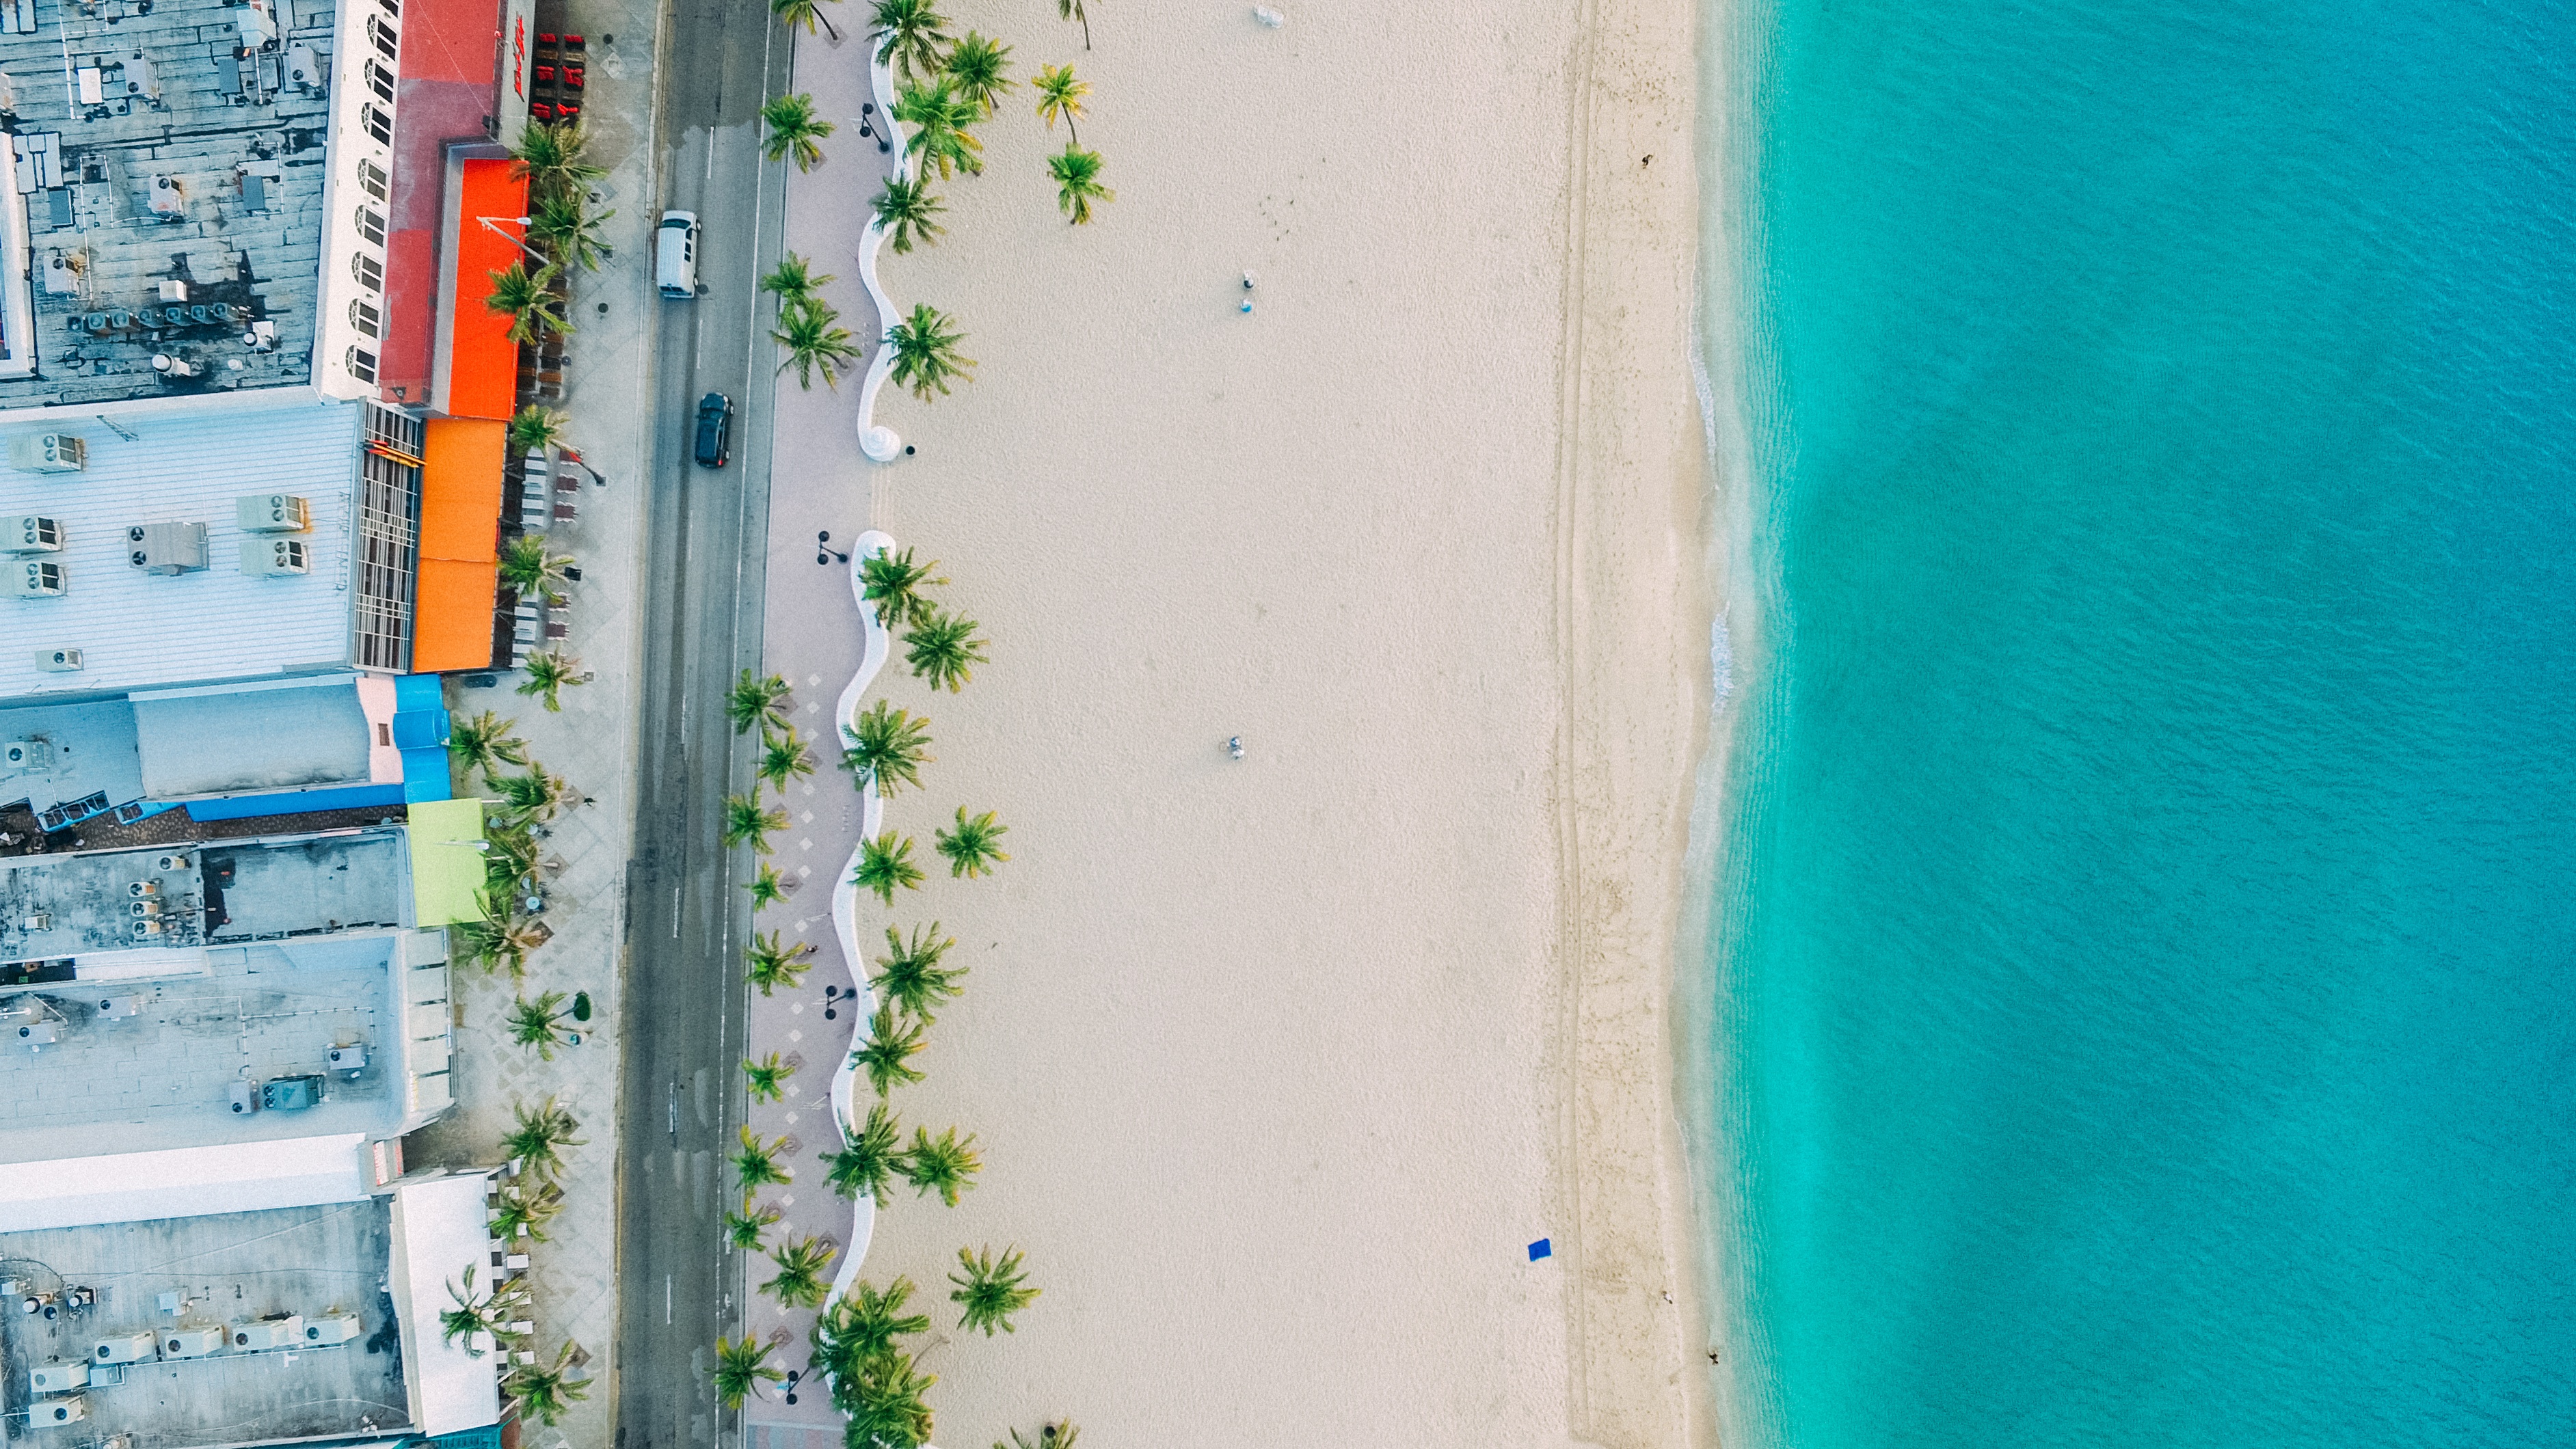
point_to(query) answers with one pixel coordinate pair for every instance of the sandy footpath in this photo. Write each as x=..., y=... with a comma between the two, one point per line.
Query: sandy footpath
x=1278, y=1066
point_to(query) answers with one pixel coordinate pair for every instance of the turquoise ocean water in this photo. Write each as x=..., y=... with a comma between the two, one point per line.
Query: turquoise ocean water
x=2142, y=921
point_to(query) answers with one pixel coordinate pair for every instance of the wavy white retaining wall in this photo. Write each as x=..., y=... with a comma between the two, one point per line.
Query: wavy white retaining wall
x=878, y=442
x=845, y=905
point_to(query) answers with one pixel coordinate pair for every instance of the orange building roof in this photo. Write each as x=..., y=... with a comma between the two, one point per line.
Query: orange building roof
x=482, y=361
x=460, y=534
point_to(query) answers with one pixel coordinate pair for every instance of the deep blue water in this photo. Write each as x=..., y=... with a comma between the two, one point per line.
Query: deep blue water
x=2143, y=913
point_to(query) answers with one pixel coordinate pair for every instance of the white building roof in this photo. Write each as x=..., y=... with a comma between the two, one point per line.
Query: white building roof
x=439, y=1232
x=184, y=1182
x=186, y=465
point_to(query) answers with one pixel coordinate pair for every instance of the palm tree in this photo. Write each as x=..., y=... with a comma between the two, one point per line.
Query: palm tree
x=925, y=352
x=527, y=567
x=800, y=1282
x=864, y=1322
x=768, y=967
x=539, y=1023
x=944, y=650
x=907, y=211
x=1072, y=10
x=783, y=757
x=886, y=863
x=942, y=123
x=1059, y=1434
x=549, y=156
x=990, y=1289
x=793, y=280
x=548, y=672
x=911, y=976
x=744, y=1229
x=473, y=1315
x=744, y=820
x=538, y=1140
x=545, y=1392
x=757, y=1162
x=562, y=223
x=1060, y=95
x=870, y=1162
x=1077, y=179
x=537, y=427
x=536, y=795
x=805, y=13
x=883, y=1398
x=897, y=586
x=484, y=742
x=503, y=940
x=970, y=848
x=976, y=65
x=887, y=745
x=742, y=1365
x=524, y=1215
x=811, y=333
x=753, y=702
x=527, y=299
x=767, y=888
x=944, y=1165
x=913, y=36
x=769, y=1077
x=890, y=1048
x=795, y=130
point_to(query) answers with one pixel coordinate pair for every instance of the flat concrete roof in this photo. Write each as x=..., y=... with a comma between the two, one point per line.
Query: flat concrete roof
x=138, y=630
x=221, y=893
x=149, y=152
x=312, y=732
x=310, y=1262
x=77, y=750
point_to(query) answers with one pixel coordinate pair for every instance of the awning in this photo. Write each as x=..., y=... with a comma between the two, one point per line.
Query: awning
x=479, y=375
x=439, y=1231
x=446, y=869
x=460, y=531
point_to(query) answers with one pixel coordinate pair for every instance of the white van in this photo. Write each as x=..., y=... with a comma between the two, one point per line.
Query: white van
x=675, y=254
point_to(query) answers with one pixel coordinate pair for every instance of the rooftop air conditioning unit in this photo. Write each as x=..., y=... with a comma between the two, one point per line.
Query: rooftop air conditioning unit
x=48, y=453
x=273, y=513
x=117, y=1008
x=244, y=1097
x=148, y=927
x=192, y=1342
x=32, y=580
x=58, y=1378
x=124, y=1348
x=59, y=661
x=253, y=1335
x=38, y=1034
x=144, y=910
x=351, y=1059
x=332, y=1328
x=275, y=557
x=53, y=1412
x=141, y=888
x=31, y=533
x=16, y=755
x=166, y=548
x=40, y=921
x=173, y=862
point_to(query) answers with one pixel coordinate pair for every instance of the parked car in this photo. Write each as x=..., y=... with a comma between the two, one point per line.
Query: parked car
x=715, y=430
x=675, y=254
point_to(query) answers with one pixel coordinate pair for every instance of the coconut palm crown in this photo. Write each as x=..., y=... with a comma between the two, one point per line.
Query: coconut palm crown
x=885, y=865
x=943, y=132
x=972, y=848
x=944, y=650
x=990, y=1289
x=892, y=1044
x=908, y=212
x=925, y=352
x=1060, y=95
x=912, y=36
x=757, y=702
x=910, y=975
x=795, y=130
x=869, y=1164
x=942, y=1164
x=810, y=335
x=1077, y=178
x=742, y=1366
x=978, y=68
x=886, y=745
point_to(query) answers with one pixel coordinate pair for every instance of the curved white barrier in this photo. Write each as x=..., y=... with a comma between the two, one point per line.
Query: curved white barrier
x=845, y=905
x=880, y=443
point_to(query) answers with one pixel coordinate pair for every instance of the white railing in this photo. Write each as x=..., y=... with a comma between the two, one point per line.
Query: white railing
x=876, y=440
x=848, y=1079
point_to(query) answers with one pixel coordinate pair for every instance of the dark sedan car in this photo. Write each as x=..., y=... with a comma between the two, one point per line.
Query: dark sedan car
x=715, y=430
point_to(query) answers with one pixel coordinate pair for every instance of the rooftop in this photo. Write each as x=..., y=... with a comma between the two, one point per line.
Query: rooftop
x=149, y=150
x=312, y=1262
x=151, y=903
x=137, y=629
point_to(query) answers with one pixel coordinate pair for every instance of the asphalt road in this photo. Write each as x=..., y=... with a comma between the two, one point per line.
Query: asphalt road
x=703, y=577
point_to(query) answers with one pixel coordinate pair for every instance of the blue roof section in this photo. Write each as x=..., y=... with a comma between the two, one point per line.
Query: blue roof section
x=420, y=732
x=419, y=691
x=295, y=802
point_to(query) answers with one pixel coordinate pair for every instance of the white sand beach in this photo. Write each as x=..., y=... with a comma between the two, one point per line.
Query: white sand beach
x=1277, y=1066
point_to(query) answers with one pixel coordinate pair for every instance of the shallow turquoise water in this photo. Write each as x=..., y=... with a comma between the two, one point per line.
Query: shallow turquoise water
x=2143, y=909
